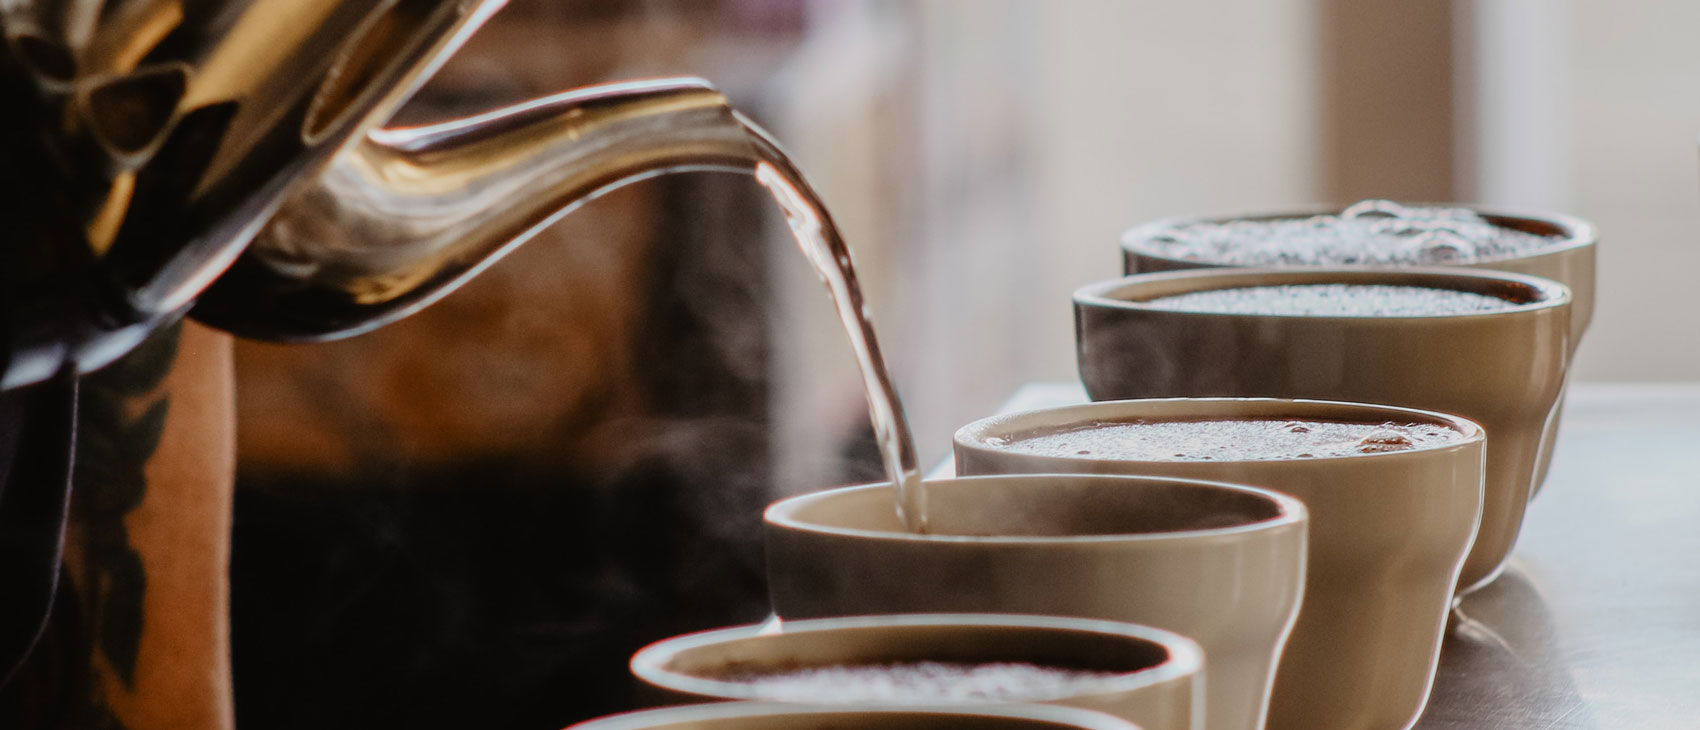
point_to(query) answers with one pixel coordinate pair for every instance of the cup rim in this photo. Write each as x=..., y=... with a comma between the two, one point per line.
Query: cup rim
x=1111, y=293
x=1289, y=511
x=1578, y=233
x=1059, y=715
x=974, y=435
x=1183, y=655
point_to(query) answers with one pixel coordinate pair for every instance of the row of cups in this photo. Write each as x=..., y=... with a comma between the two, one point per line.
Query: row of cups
x=1315, y=599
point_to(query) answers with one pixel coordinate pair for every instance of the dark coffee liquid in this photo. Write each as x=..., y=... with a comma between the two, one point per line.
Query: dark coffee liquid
x=1335, y=300
x=1227, y=440
x=1371, y=232
x=944, y=682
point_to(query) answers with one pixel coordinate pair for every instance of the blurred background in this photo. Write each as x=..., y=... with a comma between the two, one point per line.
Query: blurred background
x=491, y=504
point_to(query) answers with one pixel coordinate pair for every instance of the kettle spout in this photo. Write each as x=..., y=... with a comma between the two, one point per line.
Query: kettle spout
x=402, y=217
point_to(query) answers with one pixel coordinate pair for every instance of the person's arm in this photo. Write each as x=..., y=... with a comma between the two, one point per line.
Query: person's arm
x=142, y=640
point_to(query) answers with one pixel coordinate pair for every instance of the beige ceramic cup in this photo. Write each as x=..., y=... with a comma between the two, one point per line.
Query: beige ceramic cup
x=1153, y=686
x=1502, y=369
x=771, y=716
x=1219, y=563
x=1388, y=535
x=1568, y=261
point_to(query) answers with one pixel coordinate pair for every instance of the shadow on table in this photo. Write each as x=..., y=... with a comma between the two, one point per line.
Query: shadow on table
x=1500, y=666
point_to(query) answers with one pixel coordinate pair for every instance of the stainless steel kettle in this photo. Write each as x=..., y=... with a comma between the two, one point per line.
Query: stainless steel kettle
x=223, y=158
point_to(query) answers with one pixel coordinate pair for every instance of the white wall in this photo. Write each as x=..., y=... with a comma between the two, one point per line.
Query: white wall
x=1593, y=108
x=1156, y=109
x=1635, y=91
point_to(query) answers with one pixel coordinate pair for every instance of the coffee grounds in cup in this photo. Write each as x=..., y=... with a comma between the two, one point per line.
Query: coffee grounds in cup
x=916, y=682
x=1371, y=232
x=1334, y=300
x=1226, y=440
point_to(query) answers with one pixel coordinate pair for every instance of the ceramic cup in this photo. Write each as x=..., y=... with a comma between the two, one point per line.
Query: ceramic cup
x=1153, y=685
x=1502, y=369
x=1219, y=563
x=1569, y=261
x=1388, y=534
x=770, y=716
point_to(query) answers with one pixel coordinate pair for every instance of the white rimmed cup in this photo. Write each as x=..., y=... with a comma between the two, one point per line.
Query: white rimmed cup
x=1153, y=682
x=776, y=716
x=1222, y=564
x=1569, y=261
x=1503, y=369
x=1388, y=535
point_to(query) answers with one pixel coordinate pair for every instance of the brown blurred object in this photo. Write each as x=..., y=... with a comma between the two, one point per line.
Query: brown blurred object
x=524, y=363
x=1389, y=100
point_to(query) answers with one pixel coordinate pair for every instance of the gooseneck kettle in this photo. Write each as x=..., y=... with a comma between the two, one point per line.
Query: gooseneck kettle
x=223, y=158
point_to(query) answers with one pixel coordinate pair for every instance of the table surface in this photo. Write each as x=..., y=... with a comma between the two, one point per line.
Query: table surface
x=1595, y=623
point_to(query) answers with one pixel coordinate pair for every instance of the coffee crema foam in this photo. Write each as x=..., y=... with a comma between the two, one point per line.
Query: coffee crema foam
x=917, y=682
x=1334, y=300
x=1227, y=440
x=1370, y=232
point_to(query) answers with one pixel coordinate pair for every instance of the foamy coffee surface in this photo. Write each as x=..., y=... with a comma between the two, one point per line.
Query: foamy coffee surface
x=1371, y=232
x=1334, y=300
x=918, y=682
x=1228, y=440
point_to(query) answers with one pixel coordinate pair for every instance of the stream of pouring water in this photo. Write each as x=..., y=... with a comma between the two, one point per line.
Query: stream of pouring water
x=821, y=244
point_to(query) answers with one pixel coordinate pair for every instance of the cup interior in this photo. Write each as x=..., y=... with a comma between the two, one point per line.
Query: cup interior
x=1569, y=232
x=1019, y=508
x=770, y=716
x=722, y=663
x=994, y=433
x=1139, y=291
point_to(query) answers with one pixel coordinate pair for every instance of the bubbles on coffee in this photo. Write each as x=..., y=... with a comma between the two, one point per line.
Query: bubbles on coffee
x=1334, y=300
x=1385, y=439
x=943, y=682
x=1370, y=232
x=1227, y=439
